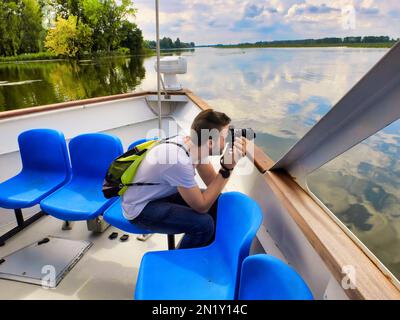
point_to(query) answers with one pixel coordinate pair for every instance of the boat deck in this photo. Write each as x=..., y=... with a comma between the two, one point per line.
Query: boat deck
x=107, y=271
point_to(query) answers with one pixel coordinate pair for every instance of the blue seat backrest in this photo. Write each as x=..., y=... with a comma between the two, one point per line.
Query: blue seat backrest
x=44, y=150
x=92, y=153
x=265, y=277
x=239, y=218
x=137, y=142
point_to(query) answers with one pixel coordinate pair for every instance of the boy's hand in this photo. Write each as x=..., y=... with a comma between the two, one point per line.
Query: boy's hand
x=232, y=157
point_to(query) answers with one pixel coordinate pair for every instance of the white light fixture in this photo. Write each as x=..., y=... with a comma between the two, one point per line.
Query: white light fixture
x=170, y=67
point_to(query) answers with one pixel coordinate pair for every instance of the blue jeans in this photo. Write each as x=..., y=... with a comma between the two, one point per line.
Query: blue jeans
x=172, y=215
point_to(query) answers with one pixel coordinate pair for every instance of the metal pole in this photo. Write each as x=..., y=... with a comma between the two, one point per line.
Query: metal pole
x=158, y=69
x=171, y=237
x=171, y=241
x=19, y=217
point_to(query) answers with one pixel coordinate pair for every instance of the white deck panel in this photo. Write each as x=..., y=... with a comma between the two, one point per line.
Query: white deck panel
x=108, y=270
x=43, y=263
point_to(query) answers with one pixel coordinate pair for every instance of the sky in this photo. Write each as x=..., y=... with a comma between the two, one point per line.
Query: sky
x=235, y=21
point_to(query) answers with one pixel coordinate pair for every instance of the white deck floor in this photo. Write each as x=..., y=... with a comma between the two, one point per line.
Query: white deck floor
x=107, y=271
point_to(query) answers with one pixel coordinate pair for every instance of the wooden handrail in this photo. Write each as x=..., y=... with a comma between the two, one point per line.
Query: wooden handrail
x=68, y=104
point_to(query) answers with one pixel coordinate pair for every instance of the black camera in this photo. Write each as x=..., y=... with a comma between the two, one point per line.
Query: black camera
x=233, y=132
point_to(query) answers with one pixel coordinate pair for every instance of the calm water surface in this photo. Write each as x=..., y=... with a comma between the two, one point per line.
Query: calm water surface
x=281, y=93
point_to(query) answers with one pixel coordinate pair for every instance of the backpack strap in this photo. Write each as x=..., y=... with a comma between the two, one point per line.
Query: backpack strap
x=140, y=184
x=177, y=144
x=166, y=140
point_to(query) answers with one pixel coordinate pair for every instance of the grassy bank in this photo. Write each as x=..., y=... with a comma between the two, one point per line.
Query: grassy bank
x=146, y=52
x=49, y=56
x=30, y=56
x=311, y=45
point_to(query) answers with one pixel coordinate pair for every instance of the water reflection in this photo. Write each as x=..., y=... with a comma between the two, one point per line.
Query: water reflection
x=279, y=92
x=362, y=187
x=39, y=83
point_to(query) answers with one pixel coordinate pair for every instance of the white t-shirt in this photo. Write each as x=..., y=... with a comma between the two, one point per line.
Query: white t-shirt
x=166, y=164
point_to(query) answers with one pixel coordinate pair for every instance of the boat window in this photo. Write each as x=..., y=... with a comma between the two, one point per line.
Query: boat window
x=362, y=188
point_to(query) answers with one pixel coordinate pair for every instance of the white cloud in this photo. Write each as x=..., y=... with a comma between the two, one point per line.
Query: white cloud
x=232, y=21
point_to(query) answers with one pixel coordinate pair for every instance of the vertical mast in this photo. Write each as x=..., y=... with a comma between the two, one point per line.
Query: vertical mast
x=158, y=69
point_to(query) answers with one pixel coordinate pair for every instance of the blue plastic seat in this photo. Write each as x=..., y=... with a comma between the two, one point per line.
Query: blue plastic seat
x=137, y=142
x=45, y=168
x=114, y=216
x=209, y=272
x=265, y=277
x=81, y=198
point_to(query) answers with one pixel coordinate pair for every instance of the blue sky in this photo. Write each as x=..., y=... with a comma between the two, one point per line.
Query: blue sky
x=232, y=21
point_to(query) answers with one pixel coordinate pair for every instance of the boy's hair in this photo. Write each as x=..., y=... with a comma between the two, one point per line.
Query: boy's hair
x=207, y=120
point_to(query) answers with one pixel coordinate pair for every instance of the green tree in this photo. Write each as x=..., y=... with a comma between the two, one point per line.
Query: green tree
x=150, y=44
x=10, y=21
x=20, y=27
x=106, y=18
x=69, y=37
x=30, y=27
x=65, y=8
x=352, y=39
x=131, y=37
x=166, y=43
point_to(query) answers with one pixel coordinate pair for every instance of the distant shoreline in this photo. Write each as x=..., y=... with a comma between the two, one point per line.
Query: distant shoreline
x=330, y=42
x=313, y=45
x=48, y=57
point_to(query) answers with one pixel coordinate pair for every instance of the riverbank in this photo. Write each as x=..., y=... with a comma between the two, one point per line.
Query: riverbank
x=45, y=56
x=30, y=56
x=311, y=45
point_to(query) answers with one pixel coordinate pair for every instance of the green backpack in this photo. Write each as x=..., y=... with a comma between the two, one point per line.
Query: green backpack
x=123, y=169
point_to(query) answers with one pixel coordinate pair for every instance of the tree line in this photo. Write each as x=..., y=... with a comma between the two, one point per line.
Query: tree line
x=93, y=26
x=323, y=41
x=72, y=28
x=335, y=40
x=167, y=43
x=67, y=27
